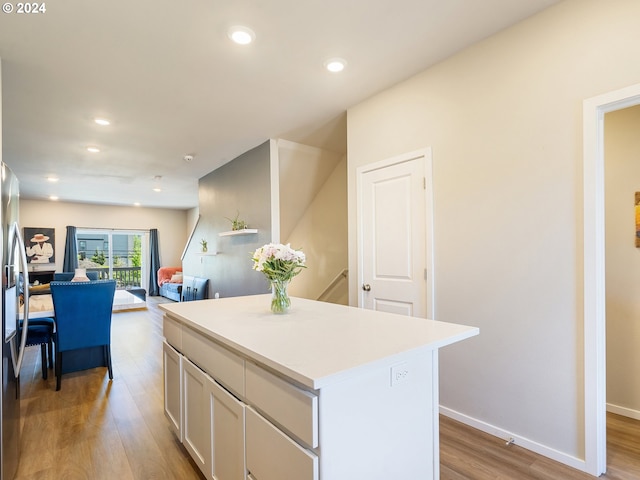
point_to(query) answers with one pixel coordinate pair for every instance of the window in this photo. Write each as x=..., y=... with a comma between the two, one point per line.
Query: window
x=118, y=254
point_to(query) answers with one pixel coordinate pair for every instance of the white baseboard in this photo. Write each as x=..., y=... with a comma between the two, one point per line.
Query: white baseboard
x=624, y=411
x=523, y=442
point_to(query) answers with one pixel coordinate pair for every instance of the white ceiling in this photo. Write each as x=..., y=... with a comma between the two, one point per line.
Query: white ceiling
x=172, y=83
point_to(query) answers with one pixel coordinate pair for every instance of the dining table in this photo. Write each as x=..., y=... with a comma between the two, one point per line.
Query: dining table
x=40, y=306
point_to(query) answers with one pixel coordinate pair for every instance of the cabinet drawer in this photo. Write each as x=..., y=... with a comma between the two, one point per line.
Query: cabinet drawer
x=271, y=455
x=172, y=331
x=223, y=365
x=296, y=410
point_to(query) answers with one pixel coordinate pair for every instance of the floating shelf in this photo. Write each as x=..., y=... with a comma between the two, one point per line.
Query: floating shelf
x=244, y=231
x=206, y=254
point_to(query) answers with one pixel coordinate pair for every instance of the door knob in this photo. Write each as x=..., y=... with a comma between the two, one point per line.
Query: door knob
x=366, y=287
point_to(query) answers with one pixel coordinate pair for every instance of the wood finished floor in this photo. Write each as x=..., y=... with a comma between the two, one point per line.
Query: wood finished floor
x=99, y=430
x=95, y=429
x=468, y=454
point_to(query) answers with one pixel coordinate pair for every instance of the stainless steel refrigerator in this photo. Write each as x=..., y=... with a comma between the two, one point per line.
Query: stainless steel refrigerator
x=14, y=269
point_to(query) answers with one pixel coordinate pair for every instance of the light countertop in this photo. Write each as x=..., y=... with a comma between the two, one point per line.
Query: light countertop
x=316, y=343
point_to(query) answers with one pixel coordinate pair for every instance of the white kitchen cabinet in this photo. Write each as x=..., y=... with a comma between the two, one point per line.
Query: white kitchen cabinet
x=220, y=363
x=294, y=409
x=326, y=392
x=207, y=419
x=172, y=368
x=272, y=455
x=228, y=428
x=197, y=415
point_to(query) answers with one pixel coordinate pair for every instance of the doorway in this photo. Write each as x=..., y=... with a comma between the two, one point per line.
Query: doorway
x=395, y=235
x=594, y=110
x=622, y=257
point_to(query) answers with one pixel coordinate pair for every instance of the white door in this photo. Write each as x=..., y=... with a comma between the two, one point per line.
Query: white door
x=394, y=208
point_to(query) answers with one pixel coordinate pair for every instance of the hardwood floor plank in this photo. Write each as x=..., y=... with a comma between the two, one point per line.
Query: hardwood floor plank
x=96, y=429
x=469, y=454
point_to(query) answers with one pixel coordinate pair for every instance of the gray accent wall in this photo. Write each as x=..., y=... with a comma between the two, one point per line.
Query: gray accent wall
x=242, y=185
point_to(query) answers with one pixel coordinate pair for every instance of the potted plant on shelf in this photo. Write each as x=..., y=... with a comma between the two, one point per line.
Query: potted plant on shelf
x=236, y=223
x=203, y=242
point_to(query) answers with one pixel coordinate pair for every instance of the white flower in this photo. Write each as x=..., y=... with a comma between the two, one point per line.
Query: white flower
x=278, y=261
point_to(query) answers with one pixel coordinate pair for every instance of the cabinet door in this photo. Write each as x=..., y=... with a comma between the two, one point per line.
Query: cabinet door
x=228, y=461
x=197, y=415
x=272, y=455
x=172, y=373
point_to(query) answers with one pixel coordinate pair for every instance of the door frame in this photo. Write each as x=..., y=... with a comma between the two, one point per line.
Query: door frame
x=595, y=408
x=426, y=155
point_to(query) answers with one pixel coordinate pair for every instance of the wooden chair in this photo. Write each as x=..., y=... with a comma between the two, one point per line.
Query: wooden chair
x=83, y=325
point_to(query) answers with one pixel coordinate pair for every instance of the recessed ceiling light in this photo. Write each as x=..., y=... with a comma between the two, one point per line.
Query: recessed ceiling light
x=53, y=197
x=241, y=35
x=93, y=149
x=157, y=189
x=102, y=121
x=335, y=65
x=52, y=179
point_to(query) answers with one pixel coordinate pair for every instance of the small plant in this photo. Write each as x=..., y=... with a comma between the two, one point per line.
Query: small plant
x=203, y=242
x=236, y=223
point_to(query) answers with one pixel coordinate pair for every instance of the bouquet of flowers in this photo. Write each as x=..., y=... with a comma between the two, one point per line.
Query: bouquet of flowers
x=280, y=263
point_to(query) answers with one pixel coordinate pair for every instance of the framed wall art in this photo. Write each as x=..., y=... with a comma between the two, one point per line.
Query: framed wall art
x=39, y=244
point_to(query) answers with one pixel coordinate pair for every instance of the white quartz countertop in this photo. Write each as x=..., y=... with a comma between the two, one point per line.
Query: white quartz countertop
x=316, y=343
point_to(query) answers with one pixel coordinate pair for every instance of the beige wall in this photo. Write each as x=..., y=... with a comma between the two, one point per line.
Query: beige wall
x=504, y=120
x=322, y=235
x=622, y=177
x=171, y=224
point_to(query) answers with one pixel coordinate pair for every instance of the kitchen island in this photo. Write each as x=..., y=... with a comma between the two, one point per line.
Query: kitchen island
x=325, y=392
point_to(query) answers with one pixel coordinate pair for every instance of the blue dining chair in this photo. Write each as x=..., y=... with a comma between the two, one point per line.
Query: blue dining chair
x=68, y=276
x=40, y=331
x=83, y=324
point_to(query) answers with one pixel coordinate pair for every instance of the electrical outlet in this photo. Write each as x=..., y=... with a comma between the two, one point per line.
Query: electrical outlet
x=399, y=373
